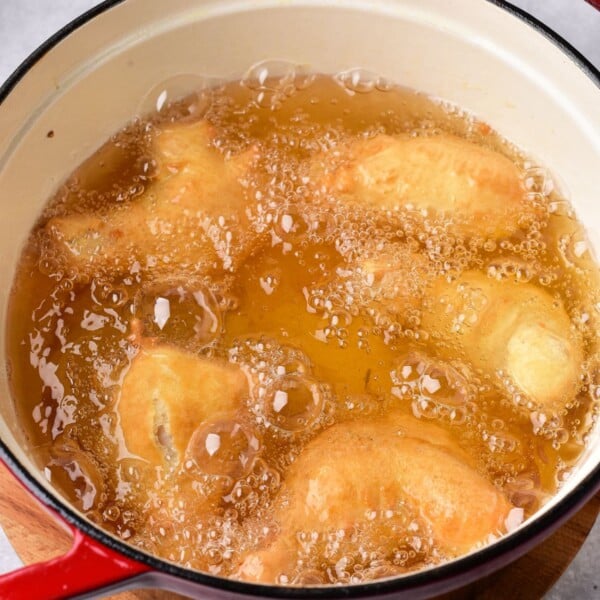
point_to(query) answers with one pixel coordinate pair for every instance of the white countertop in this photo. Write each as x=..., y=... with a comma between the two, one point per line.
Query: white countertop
x=24, y=24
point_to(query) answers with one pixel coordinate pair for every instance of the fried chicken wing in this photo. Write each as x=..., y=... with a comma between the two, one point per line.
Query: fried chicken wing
x=512, y=329
x=358, y=469
x=191, y=218
x=167, y=394
x=474, y=190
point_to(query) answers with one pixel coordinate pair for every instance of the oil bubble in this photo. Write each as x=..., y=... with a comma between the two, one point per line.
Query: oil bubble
x=269, y=281
x=293, y=361
x=189, y=314
x=538, y=180
x=470, y=304
x=424, y=408
x=112, y=512
x=362, y=81
x=304, y=77
x=407, y=375
x=290, y=225
x=434, y=388
x=272, y=81
x=574, y=249
x=294, y=403
x=444, y=385
x=225, y=448
x=269, y=74
x=513, y=270
x=107, y=293
x=503, y=442
x=187, y=90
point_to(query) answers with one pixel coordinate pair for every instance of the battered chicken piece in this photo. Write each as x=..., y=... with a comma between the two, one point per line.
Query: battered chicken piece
x=180, y=414
x=512, y=328
x=191, y=218
x=355, y=468
x=477, y=191
x=167, y=393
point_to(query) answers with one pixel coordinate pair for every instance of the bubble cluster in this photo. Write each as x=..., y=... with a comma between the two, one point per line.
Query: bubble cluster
x=574, y=249
x=272, y=81
x=435, y=390
x=389, y=541
x=362, y=81
x=284, y=396
x=511, y=270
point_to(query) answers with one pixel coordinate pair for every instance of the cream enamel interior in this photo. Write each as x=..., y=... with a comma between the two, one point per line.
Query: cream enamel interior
x=468, y=52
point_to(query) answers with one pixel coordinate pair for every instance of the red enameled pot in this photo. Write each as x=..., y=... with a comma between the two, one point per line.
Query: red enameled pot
x=89, y=80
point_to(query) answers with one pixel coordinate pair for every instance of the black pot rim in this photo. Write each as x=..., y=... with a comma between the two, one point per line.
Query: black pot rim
x=538, y=529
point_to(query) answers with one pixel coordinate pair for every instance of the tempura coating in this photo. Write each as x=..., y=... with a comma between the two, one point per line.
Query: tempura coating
x=473, y=190
x=191, y=217
x=167, y=393
x=509, y=329
x=355, y=468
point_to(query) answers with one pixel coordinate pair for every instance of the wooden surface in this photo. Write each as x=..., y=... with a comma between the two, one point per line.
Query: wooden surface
x=36, y=536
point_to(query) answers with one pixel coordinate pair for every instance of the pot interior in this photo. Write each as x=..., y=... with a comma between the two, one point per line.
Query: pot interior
x=474, y=55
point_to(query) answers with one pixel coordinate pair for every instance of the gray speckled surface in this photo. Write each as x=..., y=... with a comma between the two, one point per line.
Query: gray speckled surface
x=24, y=24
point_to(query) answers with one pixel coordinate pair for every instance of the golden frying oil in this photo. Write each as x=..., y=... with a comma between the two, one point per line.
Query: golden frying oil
x=279, y=315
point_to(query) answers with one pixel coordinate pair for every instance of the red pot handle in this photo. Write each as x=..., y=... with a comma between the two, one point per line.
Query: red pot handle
x=594, y=3
x=89, y=566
